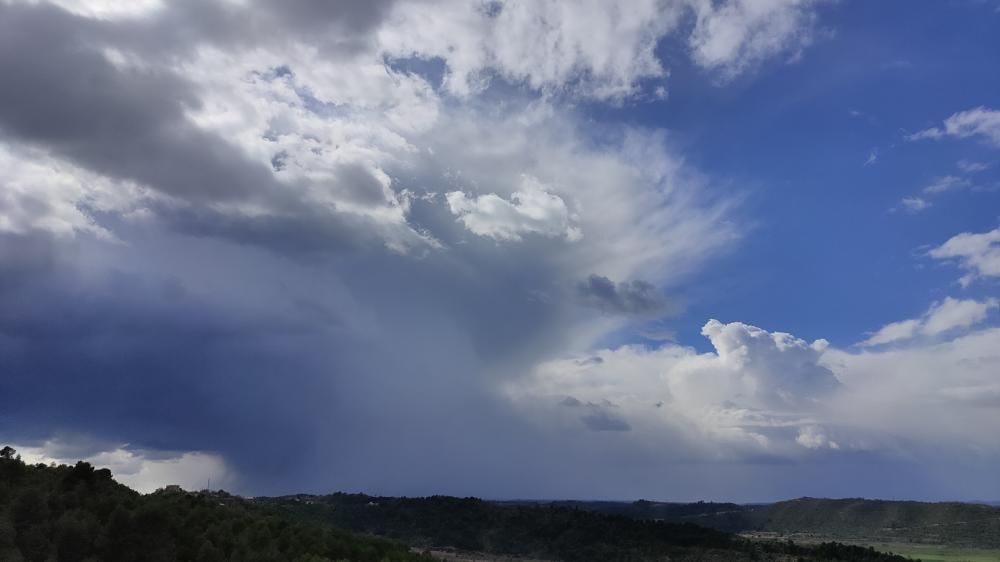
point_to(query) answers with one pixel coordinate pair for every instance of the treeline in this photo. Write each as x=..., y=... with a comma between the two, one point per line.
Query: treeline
x=79, y=514
x=729, y=517
x=551, y=532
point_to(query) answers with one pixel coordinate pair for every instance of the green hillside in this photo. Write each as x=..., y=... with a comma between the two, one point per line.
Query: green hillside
x=79, y=514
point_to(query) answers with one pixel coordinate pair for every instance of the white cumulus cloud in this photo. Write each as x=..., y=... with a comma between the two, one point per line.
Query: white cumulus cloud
x=595, y=48
x=763, y=393
x=40, y=193
x=732, y=37
x=143, y=471
x=943, y=316
x=979, y=254
x=531, y=209
x=750, y=396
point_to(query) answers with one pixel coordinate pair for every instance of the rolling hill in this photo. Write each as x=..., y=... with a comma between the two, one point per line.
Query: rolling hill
x=949, y=523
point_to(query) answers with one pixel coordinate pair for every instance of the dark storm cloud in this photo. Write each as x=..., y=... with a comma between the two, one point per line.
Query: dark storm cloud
x=292, y=343
x=601, y=420
x=628, y=297
x=306, y=234
x=60, y=92
x=598, y=416
x=283, y=368
x=22, y=257
x=337, y=27
x=357, y=16
x=361, y=185
x=137, y=358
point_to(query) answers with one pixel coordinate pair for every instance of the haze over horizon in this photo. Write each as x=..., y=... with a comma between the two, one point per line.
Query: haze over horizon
x=732, y=250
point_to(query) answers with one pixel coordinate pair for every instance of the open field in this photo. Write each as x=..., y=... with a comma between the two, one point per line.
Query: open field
x=937, y=553
x=923, y=552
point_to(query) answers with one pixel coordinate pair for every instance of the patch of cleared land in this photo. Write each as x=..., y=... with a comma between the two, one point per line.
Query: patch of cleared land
x=459, y=556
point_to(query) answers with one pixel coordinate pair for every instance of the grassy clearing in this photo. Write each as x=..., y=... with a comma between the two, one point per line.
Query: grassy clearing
x=936, y=553
x=923, y=552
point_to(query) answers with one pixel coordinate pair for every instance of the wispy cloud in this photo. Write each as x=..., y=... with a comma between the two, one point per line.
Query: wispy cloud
x=936, y=187
x=914, y=204
x=978, y=122
x=973, y=167
x=946, y=183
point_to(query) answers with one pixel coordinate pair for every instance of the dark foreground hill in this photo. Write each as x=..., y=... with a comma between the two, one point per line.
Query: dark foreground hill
x=949, y=523
x=78, y=514
x=545, y=531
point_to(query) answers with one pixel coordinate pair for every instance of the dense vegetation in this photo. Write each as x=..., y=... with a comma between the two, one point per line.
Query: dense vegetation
x=544, y=531
x=950, y=523
x=79, y=514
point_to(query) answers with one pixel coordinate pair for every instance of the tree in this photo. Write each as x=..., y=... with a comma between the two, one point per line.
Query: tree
x=209, y=553
x=30, y=515
x=8, y=452
x=74, y=537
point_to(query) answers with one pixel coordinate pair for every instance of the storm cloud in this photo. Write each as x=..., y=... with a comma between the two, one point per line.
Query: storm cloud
x=258, y=239
x=630, y=297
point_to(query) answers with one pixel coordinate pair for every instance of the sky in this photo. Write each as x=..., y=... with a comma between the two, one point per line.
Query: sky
x=740, y=250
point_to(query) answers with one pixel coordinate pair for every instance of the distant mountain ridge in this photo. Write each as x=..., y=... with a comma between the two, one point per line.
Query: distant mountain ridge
x=951, y=523
x=948, y=521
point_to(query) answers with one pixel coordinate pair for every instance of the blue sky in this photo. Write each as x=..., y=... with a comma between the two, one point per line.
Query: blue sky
x=676, y=249
x=796, y=137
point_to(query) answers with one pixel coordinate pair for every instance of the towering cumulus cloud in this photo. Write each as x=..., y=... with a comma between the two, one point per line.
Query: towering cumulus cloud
x=753, y=394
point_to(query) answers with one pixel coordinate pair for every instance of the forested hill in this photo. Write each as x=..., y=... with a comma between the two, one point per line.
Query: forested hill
x=942, y=523
x=79, y=514
x=546, y=532
x=952, y=523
